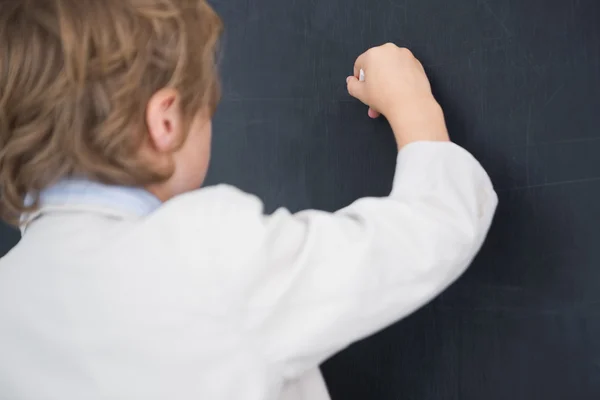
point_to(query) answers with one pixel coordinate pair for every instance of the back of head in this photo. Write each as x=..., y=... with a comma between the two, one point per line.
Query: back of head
x=75, y=79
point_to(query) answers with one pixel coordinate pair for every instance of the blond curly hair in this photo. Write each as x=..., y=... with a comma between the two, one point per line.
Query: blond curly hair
x=75, y=79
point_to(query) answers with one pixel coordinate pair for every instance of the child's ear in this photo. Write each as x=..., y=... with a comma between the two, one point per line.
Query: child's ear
x=164, y=120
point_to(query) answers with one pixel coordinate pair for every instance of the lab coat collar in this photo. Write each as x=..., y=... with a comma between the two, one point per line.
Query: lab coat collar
x=85, y=195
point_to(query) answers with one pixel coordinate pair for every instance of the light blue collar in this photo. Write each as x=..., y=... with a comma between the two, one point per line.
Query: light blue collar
x=83, y=193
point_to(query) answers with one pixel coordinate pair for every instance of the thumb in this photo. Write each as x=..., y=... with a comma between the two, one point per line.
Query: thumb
x=355, y=87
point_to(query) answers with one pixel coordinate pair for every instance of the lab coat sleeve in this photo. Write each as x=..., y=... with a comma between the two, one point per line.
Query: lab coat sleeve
x=321, y=281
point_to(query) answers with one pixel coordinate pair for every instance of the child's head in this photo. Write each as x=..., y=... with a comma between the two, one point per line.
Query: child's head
x=118, y=91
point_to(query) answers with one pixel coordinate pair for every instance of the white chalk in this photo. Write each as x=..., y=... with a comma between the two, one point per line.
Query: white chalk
x=361, y=76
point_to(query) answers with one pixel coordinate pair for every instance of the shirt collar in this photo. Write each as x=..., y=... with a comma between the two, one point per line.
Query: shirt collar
x=80, y=194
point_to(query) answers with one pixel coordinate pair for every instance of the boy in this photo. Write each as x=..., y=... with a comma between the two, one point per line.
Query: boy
x=130, y=284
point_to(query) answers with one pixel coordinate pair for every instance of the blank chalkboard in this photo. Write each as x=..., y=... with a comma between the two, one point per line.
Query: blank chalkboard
x=520, y=83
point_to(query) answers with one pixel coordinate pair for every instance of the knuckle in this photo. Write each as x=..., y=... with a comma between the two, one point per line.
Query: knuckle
x=406, y=52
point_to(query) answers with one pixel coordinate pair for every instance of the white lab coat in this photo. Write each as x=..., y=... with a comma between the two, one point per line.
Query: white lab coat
x=207, y=298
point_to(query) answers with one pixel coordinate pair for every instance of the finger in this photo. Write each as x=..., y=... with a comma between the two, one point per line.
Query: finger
x=355, y=88
x=374, y=114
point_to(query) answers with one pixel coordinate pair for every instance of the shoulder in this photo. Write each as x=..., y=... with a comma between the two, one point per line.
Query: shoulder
x=214, y=200
x=218, y=218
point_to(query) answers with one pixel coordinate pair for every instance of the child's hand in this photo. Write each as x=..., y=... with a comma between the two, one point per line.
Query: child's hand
x=396, y=86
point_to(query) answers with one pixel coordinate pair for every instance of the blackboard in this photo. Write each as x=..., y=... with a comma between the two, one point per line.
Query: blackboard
x=520, y=83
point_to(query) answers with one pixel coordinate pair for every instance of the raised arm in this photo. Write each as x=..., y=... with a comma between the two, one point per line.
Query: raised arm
x=321, y=281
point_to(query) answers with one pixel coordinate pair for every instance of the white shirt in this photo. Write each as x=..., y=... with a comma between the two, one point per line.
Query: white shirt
x=111, y=295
